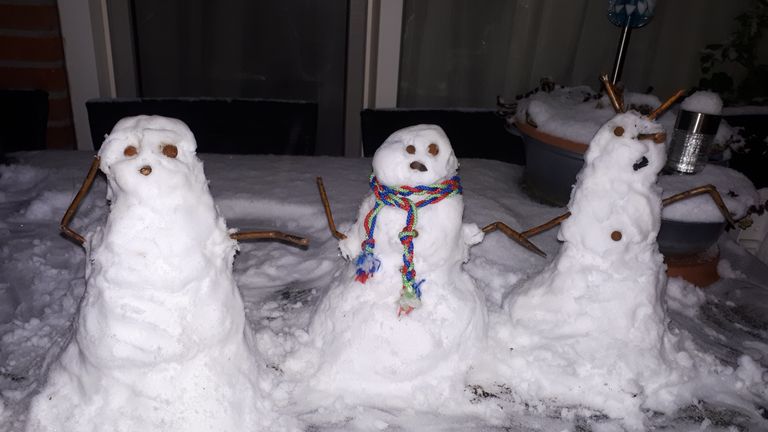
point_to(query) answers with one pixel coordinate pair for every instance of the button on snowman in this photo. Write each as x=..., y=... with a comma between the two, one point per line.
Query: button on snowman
x=161, y=341
x=406, y=250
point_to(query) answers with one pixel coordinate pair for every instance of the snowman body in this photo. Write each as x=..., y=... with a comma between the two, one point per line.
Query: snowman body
x=593, y=318
x=161, y=341
x=369, y=352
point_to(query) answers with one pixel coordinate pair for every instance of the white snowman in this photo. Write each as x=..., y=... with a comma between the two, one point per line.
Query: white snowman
x=591, y=328
x=161, y=341
x=400, y=327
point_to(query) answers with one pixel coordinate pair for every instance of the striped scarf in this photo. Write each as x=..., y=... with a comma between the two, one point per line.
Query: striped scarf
x=401, y=197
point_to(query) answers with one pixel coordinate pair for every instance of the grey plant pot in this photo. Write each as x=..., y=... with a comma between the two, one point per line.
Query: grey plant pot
x=550, y=172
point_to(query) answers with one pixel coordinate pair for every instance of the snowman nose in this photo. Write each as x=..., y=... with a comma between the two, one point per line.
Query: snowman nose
x=418, y=166
x=145, y=170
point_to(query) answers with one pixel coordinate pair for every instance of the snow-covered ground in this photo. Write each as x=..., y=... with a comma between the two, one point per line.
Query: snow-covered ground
x=42, y=281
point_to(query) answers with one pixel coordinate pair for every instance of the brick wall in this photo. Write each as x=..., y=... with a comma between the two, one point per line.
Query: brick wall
x=32, y=57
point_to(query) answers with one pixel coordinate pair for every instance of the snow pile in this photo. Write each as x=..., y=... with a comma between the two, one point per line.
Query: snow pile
x=161, y=341
x=289, y=294
x=704, y=102
x=576, y=113
x=363, y=351
x=737, y=191
x=591, y=329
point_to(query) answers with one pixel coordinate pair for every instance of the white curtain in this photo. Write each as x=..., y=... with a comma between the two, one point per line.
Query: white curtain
x=463, y=53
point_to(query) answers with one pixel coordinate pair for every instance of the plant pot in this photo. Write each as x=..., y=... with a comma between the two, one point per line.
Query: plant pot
x=552, y=164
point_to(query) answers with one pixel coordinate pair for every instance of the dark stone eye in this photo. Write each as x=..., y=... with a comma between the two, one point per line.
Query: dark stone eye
x=170, y=150
x=433, y=149
x=642, y=163
x=410, y=149
x=130, y=151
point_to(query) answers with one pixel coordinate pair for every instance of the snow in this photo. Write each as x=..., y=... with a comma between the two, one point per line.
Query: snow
x=608, y=279
x=160, y=340
x=705, y=102
x=737, y=192
x=717, y=335
x=574, y=113
x=365, y=353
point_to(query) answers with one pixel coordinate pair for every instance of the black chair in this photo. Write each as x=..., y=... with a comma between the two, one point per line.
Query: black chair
x=23, y=120
x=473, y=133
x=231, y=126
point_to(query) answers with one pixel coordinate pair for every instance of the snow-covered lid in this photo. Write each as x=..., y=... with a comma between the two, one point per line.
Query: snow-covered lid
x=704, y=102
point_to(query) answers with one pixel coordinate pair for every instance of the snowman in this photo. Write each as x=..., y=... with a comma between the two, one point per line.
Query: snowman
x=591, y=330
x=161, y=341
x=400, y=326
x=593, y=319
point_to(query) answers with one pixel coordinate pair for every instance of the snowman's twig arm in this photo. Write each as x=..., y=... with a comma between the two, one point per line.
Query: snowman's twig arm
x=70, y=213
x=546, y=225
x=270, y=235
x=514, y=235
x=328, y=213
x=706, y=189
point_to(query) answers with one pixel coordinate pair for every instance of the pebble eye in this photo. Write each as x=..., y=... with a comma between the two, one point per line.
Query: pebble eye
x=410, y=149
x=170, y=150
x=130, y=151
x=433, y=149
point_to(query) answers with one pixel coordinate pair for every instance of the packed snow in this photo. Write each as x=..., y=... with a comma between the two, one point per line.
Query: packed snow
x=161, y=341
x=469, y=356
x=592, y=327
x=378, y=339
x=576, y=114
x=705, y=102
x=738, y=194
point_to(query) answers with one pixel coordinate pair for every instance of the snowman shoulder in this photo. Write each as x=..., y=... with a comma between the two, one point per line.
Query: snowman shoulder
x=471, y=234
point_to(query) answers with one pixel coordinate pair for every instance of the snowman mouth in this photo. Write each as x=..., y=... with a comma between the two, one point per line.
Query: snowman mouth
x=416, y=165
x=145, y=170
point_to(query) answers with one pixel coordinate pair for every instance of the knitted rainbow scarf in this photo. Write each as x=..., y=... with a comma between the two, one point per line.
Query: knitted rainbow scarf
x=401, y=197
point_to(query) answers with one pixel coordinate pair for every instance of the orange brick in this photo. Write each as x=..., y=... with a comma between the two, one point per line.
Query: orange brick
x=29, y=17
x=31, y=48
x=33, y=78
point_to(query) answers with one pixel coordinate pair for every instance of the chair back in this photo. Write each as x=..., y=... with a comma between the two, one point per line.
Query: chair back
x=230, y=126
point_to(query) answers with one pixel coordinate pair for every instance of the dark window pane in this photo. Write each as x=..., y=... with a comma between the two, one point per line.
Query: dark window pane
x=283, y=49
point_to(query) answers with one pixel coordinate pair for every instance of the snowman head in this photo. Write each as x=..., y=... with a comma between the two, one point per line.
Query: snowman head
x=416, y=155
x=615, y=204
x=628, y=148
x=150, y=154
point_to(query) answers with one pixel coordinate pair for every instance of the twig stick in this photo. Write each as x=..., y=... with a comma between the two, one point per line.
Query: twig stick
x=270, y=235
x=514, y=235
x=668, y=103
x=546, y=225
x=706, y=189
x=611, y=93
x=658, y=137
x=328, y=213
x=72, y=209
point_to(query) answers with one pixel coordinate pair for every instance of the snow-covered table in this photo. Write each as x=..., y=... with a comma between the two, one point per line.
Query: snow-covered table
x=42, y=273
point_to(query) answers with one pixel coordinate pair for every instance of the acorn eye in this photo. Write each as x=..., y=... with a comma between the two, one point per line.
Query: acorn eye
x=410, y=149
x=130, y=151
x=433, y=149
x=170, y=150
